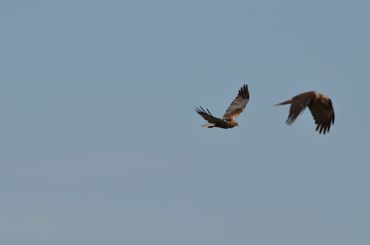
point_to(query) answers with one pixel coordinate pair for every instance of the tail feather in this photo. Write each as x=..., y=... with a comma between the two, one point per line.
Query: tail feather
x=284, y=102
x=208, y=125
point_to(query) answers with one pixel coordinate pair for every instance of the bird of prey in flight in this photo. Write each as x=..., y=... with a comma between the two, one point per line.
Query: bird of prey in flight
x=228, y=120
x=320, y=106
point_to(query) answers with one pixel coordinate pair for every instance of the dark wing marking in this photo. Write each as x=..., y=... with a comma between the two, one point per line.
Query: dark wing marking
x=207, y=115
x=298, y=105
x=323, y=115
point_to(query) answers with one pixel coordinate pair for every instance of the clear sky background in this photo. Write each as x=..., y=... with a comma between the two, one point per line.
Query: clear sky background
x=99, y=143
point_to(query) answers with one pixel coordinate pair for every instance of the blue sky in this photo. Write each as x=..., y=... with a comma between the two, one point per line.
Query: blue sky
x=100, y=144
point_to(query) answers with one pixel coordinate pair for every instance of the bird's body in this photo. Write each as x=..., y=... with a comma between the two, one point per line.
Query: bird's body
x=228, y=121
x=321, y=108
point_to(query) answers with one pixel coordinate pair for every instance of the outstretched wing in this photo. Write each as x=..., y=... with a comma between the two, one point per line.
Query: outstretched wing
x=237, y=106
x=206, y=114
x=323, y=114
x=298, y=105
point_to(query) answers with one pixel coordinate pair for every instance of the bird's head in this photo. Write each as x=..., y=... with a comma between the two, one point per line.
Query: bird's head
x=233, y=123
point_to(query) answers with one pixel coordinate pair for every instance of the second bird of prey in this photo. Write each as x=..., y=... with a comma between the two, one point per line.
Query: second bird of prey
x=321, y=108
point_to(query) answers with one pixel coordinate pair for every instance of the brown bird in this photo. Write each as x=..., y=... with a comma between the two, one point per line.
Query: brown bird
x=320, y=106
x=228, y=121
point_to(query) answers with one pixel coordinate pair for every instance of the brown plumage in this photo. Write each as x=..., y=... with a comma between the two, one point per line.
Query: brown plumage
x=320, y=106
x=228, y=121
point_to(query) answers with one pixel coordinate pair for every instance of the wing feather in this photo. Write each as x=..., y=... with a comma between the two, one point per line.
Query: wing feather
x=238, y=104
x=298, y=105
x=206, y=114
x=323, y=115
